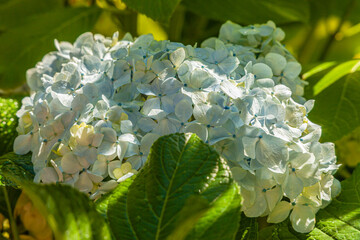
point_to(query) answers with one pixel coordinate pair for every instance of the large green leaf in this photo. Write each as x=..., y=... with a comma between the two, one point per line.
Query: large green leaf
x=340, y=220
x=179, y=166
x=22, y=46
x=16, y=12
x=159, y=10
x=337, y=107
x=335, y=74
x=195, y=208
x=251, y=11
x=17, y=167
x=69, y=213
x=121, y=190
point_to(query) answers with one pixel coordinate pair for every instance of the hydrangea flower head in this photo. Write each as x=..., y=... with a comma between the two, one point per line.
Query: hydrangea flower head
x=97, y=106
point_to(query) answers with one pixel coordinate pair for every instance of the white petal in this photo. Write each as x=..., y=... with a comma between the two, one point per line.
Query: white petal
x=293, y=186
x=146, y=124
x=229, y=64
x=273, y=196
x=198, y=129
x=126, y=176
x=109, y=135
x=280, y=212
x=292, y=70
x=231, y=89
x=147, y=141
x=258, y=208
x=22, y=144
x=48, y=175
x=126, y=126
x=276, y=62
x=97, y=139
x=107, y=148
x=128, y=137
x=262, y=70
x=302, y=218
x=70, y=163
x=84, y=183
x=177, y=57
x=183, y=110
x=272, y=152
x=100, y=168
x=249, y=146
x=94, y=177
x=112, y=166
x=282, y=92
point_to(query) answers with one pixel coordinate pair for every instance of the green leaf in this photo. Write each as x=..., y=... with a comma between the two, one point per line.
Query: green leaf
x=179, y=166
x=159, y=10
x=248, y=229
x=8, y=124
x=121, y=190
x=224, y=211
x=17, y=167
x=335, y=74
x=24, y=9
x=251, y=11
x=69, y=213
x=23, y=46
x=318, y=68
x=340, y=220
x=337, y=107
x=13, y=195
x=195, y=208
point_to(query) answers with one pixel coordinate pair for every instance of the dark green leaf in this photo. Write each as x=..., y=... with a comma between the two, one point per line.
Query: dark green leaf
x=337, y=107
x=251, y=11
x=195, y=207
x=248, y=229
x=24, y=9
x=69, y=213
x=23, y=46
x=121, y=190
x=17, y=167
x=13, y=195
x=159, y=10
x=179, y=166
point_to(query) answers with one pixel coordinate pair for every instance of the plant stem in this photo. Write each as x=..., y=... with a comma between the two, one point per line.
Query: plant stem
x=331, y=39
x=11, y=217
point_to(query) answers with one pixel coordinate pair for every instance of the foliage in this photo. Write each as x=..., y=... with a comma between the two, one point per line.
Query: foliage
x=178, y=167
x=337, y=108
x=8, y=123
x=14, y=167
x=27, y=36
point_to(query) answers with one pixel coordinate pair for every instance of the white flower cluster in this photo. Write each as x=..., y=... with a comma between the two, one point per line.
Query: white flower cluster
x=98, y=105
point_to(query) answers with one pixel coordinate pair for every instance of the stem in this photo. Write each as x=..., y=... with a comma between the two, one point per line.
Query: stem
x=11, y=218
x=331, y=39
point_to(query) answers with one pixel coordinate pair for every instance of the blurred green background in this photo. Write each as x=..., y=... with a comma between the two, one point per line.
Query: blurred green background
x=324, y=35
